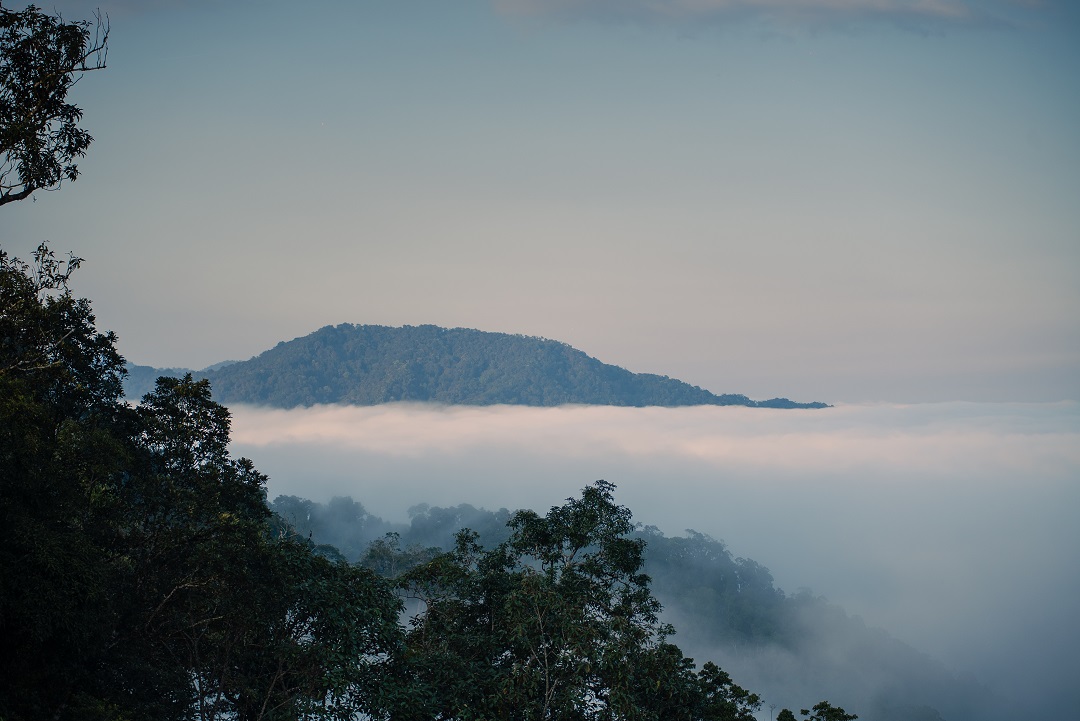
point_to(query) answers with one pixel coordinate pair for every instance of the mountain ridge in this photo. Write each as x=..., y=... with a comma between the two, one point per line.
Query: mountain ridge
x=374, y=364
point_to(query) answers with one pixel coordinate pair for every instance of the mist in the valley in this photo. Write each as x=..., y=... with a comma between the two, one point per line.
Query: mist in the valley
x=950, y=526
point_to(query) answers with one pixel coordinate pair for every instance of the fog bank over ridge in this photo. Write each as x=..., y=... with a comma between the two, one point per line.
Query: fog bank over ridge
x=949, y=525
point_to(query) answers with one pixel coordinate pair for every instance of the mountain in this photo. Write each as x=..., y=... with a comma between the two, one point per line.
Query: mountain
x=371, y=364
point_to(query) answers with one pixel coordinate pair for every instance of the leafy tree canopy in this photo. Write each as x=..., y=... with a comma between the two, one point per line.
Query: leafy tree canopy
x=825, y=711
x=41, y=58
x=556, y=622
x=141, y=572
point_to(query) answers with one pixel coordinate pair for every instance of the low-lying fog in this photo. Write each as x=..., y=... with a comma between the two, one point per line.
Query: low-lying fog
x=953, y=526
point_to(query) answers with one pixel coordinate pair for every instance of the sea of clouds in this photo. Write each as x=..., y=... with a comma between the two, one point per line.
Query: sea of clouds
x=953, y=526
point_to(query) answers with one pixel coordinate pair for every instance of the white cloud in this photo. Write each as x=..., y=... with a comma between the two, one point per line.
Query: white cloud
x=929, y=438
x=950, y=525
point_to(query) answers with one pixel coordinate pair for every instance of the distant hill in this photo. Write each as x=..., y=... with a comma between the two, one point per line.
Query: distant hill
x=371, y=364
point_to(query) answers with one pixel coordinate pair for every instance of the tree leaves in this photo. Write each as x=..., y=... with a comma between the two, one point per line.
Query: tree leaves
x=141, y=574
x=555, y=622
x=41, y=58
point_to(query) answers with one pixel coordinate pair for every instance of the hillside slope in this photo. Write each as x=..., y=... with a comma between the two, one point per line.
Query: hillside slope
x=370, y=365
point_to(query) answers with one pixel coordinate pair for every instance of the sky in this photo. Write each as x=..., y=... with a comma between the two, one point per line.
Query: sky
x=834, y=200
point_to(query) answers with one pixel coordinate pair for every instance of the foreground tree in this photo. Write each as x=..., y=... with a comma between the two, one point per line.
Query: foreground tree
x=41, y=58
x=59, y=446
x=264, y=626
x=556, y=622
x=141, y=575
x=825, y=711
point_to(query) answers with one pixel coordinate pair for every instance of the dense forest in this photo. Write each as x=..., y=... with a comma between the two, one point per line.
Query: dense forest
x=371, y=364
x=143, y=575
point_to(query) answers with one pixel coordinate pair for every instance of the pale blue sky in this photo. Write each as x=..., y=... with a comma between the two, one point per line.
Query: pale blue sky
x=839, y=200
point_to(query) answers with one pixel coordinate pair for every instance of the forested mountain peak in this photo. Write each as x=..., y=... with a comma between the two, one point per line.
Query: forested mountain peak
x=373, y=364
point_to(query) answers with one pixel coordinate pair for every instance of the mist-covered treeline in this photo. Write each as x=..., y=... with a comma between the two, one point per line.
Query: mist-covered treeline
x=793, y=645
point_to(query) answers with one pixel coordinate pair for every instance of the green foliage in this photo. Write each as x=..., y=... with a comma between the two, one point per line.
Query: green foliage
x=141, y=573
x=41, y=58
x=59, y=447
x=825, y=711
x=555, y=622
x=48, y=342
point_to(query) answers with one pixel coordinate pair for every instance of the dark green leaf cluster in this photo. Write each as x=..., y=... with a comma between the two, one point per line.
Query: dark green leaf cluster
x=825, y=711
x=41, y=58
x=141, y=572
x=556, y=622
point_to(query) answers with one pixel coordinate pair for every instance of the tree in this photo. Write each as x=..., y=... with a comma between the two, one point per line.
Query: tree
x=141, y=574
x=48, y=339
x=41, y=58
x=61, y=448
x=555, y=622
x=259, y=624
x=825, y=711
x=386, y=557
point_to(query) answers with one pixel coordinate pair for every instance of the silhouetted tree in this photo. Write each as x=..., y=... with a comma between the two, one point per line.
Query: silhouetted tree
x=825, y=711
x=61, y=444
x=141, y=572
x=41, y=58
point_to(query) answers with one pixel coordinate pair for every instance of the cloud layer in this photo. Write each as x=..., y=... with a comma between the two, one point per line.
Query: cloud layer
x=928, y=438
x=950, y=525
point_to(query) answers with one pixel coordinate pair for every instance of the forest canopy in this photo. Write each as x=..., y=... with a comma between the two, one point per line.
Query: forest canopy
x=41, y=58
